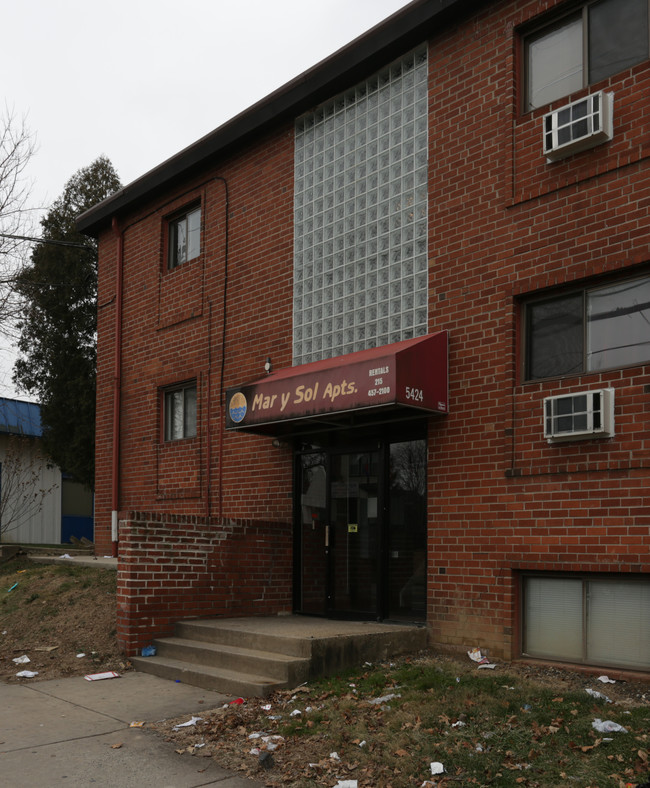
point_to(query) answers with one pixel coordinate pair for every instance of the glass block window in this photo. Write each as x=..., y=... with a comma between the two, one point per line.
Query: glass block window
x=360, y=222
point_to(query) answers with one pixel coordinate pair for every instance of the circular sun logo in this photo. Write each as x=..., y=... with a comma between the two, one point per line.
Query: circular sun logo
x=237, y=407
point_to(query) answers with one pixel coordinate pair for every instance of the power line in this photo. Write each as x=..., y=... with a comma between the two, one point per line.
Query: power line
x=48, y=241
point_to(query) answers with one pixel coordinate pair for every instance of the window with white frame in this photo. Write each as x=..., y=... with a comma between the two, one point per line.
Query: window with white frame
x=588, y=330
x=595, y=40
x=360, y=222
x=184, y=237
x=179, y=412
x=595, y=620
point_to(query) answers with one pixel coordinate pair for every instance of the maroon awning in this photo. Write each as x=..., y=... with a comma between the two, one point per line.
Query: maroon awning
x=411, y=374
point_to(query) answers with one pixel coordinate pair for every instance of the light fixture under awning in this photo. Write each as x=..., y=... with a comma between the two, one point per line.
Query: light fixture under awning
x=409, y=374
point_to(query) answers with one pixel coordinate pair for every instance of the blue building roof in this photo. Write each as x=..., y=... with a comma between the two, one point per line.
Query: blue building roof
x=20, y=418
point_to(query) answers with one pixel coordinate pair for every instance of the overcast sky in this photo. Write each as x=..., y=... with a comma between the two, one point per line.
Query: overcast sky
x=139, y=80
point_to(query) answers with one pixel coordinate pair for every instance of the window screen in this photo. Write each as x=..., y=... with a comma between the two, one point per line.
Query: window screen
x=618, y=320
x=555, y=337
x=618, y=36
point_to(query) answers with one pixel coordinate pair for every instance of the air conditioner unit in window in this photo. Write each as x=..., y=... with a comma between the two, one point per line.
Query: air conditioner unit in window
x=578, y=126
x=586, y=414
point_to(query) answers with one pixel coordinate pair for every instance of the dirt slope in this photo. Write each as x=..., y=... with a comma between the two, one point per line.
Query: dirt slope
x=52, y=614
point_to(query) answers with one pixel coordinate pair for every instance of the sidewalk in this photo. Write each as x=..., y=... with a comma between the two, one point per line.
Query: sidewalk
x=65, y=731
x=97, y=562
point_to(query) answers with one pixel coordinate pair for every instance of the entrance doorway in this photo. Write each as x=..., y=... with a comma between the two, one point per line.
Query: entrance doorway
x=360, y=536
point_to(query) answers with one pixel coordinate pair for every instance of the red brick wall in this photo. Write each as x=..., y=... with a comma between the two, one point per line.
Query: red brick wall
x=174, y=567
x=503, y=224
x=172, y=331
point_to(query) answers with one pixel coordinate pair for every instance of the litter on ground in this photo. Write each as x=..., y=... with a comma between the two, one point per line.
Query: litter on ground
x=607, y=726
x=384, y=699
x=597, y=695
x=187, y=724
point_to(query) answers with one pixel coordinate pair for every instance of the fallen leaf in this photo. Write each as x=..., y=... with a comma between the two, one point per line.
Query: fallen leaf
x=588, y=747
x=401, y=753
x=116, y=746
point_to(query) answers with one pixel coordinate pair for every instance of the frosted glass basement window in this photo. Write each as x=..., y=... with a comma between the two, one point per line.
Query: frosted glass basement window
x=360, y=216
x=600, y=621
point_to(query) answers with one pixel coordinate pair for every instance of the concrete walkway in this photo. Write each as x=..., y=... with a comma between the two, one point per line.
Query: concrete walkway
x=64, y=732
x=96, y=562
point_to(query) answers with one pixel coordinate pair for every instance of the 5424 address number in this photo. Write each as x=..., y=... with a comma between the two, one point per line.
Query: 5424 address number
x=416, y=395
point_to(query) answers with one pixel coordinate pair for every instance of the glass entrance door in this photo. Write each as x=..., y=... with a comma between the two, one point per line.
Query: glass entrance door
x=314, y=533
x=354, y=533
x=407, y=530
x=360, y=540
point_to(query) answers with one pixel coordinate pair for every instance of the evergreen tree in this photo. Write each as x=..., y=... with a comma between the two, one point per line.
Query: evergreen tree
x=58, y=325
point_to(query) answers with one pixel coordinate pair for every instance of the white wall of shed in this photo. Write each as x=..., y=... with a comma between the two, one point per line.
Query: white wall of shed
x=43, y=527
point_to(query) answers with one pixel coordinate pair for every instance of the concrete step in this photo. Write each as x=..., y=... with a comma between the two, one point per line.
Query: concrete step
x=254, y=656
x=221, y=680
x=221, y=632
x=285, y=668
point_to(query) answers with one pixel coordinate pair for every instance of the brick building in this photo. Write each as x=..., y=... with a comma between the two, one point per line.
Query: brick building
x=379, y=346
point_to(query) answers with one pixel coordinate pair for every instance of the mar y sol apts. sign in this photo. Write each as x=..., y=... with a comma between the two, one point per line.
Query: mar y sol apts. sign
x=411, y=374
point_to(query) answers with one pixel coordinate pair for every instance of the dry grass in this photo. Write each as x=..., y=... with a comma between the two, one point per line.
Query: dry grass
x=486, y=728
x=54, y=613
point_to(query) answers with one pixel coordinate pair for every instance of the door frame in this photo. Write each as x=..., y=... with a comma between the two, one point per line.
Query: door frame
x=379, y=439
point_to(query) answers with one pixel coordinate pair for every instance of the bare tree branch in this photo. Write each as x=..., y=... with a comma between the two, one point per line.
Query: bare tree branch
x=17, y=146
